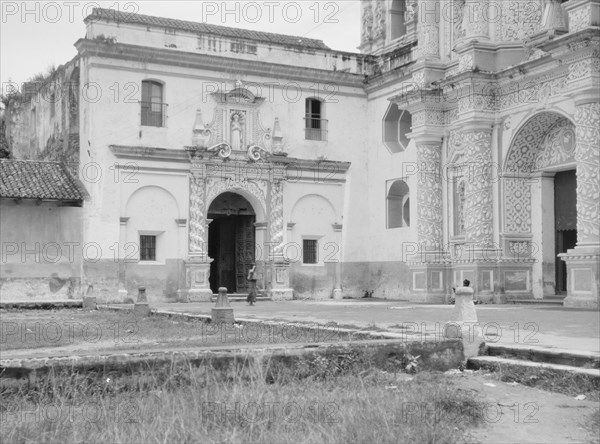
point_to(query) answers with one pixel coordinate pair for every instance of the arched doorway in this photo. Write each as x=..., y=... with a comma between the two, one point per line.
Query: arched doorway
x=540, y=199
x=231, y=242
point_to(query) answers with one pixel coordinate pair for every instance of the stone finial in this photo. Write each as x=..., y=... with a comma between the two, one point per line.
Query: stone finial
x=222, y=312
x=222, y=300
x=464, y=324
x=142, y=295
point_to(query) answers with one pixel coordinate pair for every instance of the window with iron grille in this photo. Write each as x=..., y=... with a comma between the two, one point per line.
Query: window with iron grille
x=153, y=108
x=147, y=248
x=309, y=251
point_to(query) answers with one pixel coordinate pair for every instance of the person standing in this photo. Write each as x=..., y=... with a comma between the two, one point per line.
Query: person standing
x=252, y=287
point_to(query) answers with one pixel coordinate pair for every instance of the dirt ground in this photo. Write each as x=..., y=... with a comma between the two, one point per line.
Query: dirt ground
x=514, y=413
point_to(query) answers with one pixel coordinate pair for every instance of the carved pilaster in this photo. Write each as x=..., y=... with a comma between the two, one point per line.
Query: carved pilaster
x=197, y=227
x=429, y=16
x=587, y=156
x=276, y=217
x=479, y=227
x=429, y=196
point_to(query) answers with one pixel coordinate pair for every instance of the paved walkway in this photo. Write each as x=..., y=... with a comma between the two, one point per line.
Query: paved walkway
x=525, y=325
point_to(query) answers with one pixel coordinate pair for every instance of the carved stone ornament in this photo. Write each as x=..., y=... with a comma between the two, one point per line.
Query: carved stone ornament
x=587, y=155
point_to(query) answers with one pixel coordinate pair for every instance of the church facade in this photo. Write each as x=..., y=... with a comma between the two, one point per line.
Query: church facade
x=462, y=142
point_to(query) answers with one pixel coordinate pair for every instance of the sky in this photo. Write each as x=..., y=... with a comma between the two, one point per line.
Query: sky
x=37, y=35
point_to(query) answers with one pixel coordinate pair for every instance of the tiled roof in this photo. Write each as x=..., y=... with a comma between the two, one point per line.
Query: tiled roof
x=33, y=179
x=204, y=28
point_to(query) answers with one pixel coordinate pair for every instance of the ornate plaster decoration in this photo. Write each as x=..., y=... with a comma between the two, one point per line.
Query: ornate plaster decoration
x=517, y=205
x=429, y=196
x=478, y=193
x=197, y=225
x=367, y=30
x=558, y=146
x=217, y=185
x=276, y=216
x=518, y=19
x=587, y=155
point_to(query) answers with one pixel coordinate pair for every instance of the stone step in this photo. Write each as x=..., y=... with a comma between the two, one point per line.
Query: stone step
x=549, y=356
x=241, y=297
x=494, y=363
x=545, y=301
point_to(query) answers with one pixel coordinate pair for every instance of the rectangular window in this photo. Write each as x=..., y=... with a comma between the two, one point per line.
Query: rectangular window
x=309, y=251
x=153, y=108
x=147, y=248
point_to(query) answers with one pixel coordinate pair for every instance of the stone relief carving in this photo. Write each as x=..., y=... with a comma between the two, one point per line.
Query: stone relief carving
x=524, y=149
x=517, y=205
x=429, y=196
x=379, y=21
x=584, y=68
x=558, y=146
x=276, y=216
x=478, y=193
x=217, y=185
x=531, y=92
x=519, y=19
x=579, y=19
x=367, y=31
x=587, y=155
x=197, y=229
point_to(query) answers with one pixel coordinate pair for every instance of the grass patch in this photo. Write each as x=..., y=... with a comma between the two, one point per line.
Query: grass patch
x=104, y=330
x=184, y=403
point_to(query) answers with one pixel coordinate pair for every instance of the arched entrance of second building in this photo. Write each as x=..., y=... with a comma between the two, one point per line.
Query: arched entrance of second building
x=231, y=242
x=540, y=197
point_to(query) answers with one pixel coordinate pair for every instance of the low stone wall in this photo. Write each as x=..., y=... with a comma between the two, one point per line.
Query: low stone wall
x=301, y=360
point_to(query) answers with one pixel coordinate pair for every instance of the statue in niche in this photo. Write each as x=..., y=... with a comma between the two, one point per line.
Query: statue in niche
x=237, y=131
x=367, y=24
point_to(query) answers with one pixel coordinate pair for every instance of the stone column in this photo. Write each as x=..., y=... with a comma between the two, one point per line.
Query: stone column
x=583, y=262
x=198, y=264
x=428, y=30
x=476, y=19
x=428, y=267
x=280, y=277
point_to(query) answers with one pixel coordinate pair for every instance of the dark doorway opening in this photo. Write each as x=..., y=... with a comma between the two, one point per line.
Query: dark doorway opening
x=231, y=242
x=565, y=221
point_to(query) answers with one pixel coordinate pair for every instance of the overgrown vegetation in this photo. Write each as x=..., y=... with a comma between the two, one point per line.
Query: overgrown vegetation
x=183, y=403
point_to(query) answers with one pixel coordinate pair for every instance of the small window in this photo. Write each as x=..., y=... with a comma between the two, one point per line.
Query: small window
x=212, y=44
x=315, y=125
x=309, y=251
x=153, y=108
x=397, y=124
x=170, y=31
x=398, y=205
x=147, y=248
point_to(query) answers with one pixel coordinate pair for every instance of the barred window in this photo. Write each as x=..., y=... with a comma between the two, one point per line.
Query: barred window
x=309, y=251
x=147, y=248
